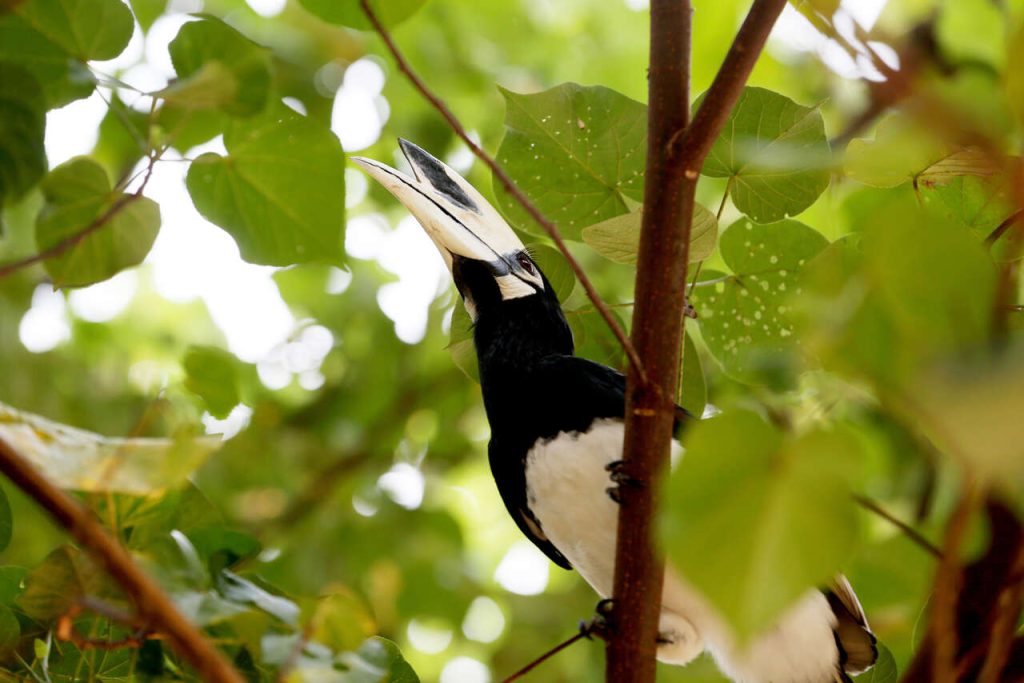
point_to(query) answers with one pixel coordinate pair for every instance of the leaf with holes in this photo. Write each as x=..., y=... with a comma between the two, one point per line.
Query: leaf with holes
x=776, y=497
x=349, y=13
x=576, y=152
x=618, y=239
x=774, y=153
x=742, y=315
x=78, y=194
x=281, y=207
x=218, y=68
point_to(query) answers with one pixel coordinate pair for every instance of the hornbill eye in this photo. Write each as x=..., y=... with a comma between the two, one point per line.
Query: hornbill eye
x=524, y=261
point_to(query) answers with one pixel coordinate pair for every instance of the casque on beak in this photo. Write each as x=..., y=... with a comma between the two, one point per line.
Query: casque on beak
x=460, y=222
x=456, y=217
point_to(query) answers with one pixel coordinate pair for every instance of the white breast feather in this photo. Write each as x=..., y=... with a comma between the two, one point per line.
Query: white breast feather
x=566, y=482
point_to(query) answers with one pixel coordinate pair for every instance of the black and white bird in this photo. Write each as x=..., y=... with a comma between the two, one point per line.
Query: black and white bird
x=557, y=423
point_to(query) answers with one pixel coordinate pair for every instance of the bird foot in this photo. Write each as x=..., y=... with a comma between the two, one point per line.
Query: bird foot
x=618, y=475
x=601, y=624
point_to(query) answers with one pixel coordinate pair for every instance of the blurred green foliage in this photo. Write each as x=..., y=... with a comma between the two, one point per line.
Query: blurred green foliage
x=858, y=326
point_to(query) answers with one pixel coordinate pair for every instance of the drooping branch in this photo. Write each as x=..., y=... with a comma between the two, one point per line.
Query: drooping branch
x=675, y=153
x=908, y=531
x=506, y=182
x=155, y=608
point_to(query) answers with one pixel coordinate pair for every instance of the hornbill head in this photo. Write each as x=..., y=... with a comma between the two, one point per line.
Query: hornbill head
x=493, y=271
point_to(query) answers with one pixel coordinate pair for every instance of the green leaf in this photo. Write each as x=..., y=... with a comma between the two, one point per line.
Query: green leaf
x=342, y=620
x=693, y=391
x=884, y=670
x=212, y=373
x=593, y=338
x=461, y=345
x=223, y=547
x=377, y=661
x=61, y=78
x=775, y=497
x=241, y=590
x=11, y=578
x=78, y=194
x=743, y=316
x=86, y=30
x=899, y=152
x=972, y=31
x=65, y=576
x=281, y=207
x=77, y=459
x=774, y=153
x=6, y=520
x=576, y=152
x=22, y=126
x=976, y=200
x=218, y=68
x=555, y=268
x=1014, y=76
x=349, y=13
x=618, y=239
x=10, y=629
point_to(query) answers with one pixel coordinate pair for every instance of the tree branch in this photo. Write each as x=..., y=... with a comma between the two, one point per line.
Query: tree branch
x=675, y=154
x=586, y=630
x=550, y=228
x=909, y=531
x=154, y=606
x=75, y=239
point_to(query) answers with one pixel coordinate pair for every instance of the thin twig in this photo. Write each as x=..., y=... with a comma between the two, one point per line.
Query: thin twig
x=550, y=228
x=73, y=240
x=909, y=531
x=586, y=629
x=1003, y=227
x=153, y=604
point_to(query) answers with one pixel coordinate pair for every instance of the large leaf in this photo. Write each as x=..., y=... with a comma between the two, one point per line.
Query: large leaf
x=618, y=239
x=281, y=206
x=783, y=503
x=85, y=29
x=577, y=152
x=22, y=125
x=218, y=68
x=743, y=316
x=78, y=193
x=349, y=13
x=77, y=459
x=54, y=38
x=774, y=153
x=555, y=268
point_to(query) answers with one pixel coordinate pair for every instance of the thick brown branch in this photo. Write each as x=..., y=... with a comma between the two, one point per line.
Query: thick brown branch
x=75, y=239
x=675, y=154
x=154, y=606
x=550, y=228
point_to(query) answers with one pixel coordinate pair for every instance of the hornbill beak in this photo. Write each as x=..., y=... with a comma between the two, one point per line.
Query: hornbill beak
x=460, y=222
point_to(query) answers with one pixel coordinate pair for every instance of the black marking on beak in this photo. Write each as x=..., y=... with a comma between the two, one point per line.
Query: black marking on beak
x=435, y=174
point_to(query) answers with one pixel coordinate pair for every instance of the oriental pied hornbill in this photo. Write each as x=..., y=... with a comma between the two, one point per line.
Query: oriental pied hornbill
x=557, y=424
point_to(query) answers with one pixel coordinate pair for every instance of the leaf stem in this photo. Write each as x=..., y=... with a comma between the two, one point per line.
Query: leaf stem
x=550, y=228
x=909, y=531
